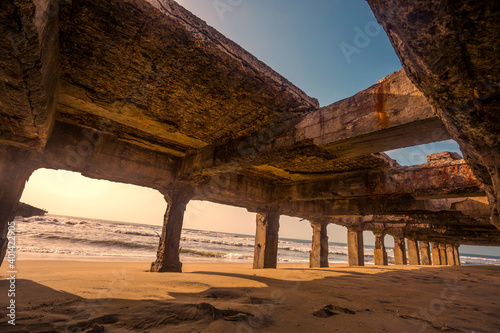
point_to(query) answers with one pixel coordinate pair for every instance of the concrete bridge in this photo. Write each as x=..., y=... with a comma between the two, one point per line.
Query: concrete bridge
x=143, y=92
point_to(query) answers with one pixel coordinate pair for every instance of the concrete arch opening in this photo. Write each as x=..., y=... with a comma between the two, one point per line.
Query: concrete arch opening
x=89, y=218
x=418, y=153
x=69, y=193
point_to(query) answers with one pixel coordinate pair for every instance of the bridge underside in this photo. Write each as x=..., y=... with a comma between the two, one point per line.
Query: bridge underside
x=145, y=93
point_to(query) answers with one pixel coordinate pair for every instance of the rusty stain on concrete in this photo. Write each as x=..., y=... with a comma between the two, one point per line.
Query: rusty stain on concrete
x=381, y=97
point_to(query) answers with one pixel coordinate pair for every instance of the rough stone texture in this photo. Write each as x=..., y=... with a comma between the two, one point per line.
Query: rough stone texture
x=477, y=206
x=166, y=76
x=167, y=258
x=425, y=253
x=143, y=92
x=380, y=253
x=450, y=52
x=419, y=181
x=442, y=158
x=29, y=69
x=413, y=252
x=266, y=240
x=436, y=254
x=456, y=253
x=400, y=251
x=15, y=170
x=348, y=128
x=374, y=120
x=116, y=160
x=442, y=254
x=98, y=155
x=318, y=256
x=434, y=227
x=450, y=254
x=355, y=248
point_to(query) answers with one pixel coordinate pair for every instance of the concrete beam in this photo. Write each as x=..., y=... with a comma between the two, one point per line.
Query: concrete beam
x=220, y=92
x=458, y=70
x=424, y=181
x=266, y=240
x=425, y=254
x=167, y=257
x=448, y=227
x=355, y=247
x=237, y=190
x=413, y=252
x=473, y=234
x=391, y=114
x=232, y=128
x=100, y=155
x=318, y=256
x=388, y=115
x=393, y=205
x=373, y=210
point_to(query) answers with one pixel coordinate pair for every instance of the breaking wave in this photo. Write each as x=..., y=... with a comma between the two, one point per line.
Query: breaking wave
x=89, y=237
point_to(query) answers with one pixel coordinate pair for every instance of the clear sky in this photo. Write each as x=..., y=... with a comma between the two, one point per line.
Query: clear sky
x=330, y=49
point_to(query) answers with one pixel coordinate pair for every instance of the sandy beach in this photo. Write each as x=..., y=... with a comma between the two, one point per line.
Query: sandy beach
x=92, y=296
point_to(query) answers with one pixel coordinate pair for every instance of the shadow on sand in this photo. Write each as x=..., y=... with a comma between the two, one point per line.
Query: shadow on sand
x=253, y=309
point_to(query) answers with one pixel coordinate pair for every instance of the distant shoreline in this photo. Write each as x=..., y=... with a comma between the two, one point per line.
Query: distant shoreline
x=463, y=254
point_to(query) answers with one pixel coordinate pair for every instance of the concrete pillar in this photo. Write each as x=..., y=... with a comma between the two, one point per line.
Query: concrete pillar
x=167, y=256
x=413, y=252
x=450, y=254
x=318, y=256
x=355, y=248
x=442, y=254
x=380, y=253
x=425, y=253
x=266, y=240
x=457, y=255
x=436, y=254
x=15, y=170
x=399, y=251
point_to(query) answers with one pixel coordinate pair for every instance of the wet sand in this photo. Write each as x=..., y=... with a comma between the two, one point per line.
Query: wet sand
x=82, y=296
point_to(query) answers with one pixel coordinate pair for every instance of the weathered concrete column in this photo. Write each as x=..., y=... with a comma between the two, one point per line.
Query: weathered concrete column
x=167, y=257
x=15, y=169
x=442, y=254
x=400, y=251
x=457, y=255
x=355, y=247
x=450, y=254
x=425, y=253
x=318, y=256
x=413, y=252
x=266, y=240
x=436, y=254
x=380, y=253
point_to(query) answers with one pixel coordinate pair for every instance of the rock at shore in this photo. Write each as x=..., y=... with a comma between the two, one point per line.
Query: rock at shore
x=26, y=210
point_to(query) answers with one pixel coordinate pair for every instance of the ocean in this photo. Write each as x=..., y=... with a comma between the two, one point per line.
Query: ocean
x=85, y=238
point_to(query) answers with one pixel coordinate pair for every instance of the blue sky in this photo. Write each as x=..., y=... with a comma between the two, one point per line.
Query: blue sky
x=301, y=40
x=330, y=49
